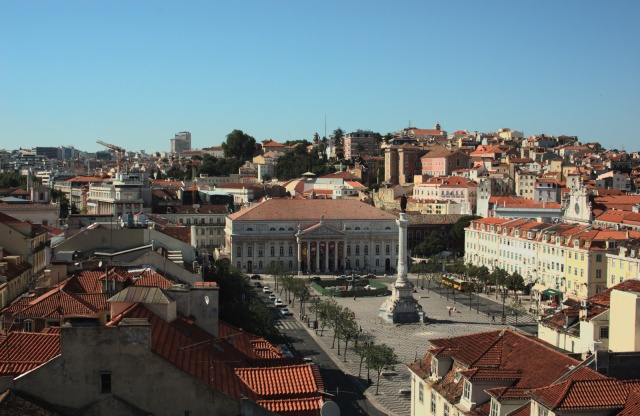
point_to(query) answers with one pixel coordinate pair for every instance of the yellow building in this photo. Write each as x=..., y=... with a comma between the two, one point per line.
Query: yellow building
x=624, y=264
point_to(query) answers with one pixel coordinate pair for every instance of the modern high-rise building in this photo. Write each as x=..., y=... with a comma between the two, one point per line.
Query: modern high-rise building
x=181, y=142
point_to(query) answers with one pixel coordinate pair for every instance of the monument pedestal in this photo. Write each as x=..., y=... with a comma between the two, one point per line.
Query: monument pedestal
x=401, y=307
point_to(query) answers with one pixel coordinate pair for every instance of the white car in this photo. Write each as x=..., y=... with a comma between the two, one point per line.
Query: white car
x=279, y=303
x=266, y=289
x=272, y=297
x=285, y=312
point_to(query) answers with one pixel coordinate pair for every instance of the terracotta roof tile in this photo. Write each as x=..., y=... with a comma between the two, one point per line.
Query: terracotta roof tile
x=293, y=381
x=24, y=351
x=583, y=394
x=298, y=407
x=311, y=209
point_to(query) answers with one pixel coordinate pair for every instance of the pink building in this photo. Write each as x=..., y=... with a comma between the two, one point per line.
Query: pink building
x=452, y=188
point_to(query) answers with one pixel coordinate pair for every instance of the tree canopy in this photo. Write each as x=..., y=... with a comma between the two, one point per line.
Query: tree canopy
x=456, y=243
x=213, y=166
x=433, y=244
x=239, y=145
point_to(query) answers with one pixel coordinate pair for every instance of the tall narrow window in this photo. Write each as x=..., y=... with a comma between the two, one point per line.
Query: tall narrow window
x=105, y=383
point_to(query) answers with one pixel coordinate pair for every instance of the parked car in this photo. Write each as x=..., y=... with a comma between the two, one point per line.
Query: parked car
x=272, y=297
x=257, y=284
x=285, y=312
x=371, y=276
x=255, y=277
x=343, y=277
x=266, y=289
x=315, y=279
x=279, y=303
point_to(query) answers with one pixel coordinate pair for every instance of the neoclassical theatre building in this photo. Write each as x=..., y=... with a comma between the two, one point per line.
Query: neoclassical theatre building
x=313, y=235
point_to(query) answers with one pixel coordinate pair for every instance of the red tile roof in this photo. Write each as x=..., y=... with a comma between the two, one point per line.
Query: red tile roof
x=23, y=351
x=292, y=381
x=298, y=407
x=573, y=395
x=311, y=209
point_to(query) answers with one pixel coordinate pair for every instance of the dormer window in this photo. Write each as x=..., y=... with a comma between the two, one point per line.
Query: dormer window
x=456, y=376
x=495, y=408
x=576, y=242
x=434, y=366
x=466, y=390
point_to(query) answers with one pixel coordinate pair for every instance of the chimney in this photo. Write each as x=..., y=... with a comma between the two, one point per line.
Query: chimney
x=203, y=305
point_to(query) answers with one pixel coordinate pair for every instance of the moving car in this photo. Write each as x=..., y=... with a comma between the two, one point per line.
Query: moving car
x=255, y=277
x=266, y=289
x=315, y=279
x=272, y=297
x=257, y=284
x=285, y=312
x=279, y=303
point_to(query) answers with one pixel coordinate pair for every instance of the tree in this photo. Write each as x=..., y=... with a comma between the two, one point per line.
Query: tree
x=347, y=329
x=379, y=357
x=456, y=242
x=338, y=135
x=239, y=145
x=516, y=309
x=432, y=244
x=515, y=282
x=361, y=348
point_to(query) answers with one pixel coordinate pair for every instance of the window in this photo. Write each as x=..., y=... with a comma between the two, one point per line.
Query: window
x=273, y=251
x=291, y=250
x=249, y=251
x=272, y=229
x=28, y=325
x=366, y=249
x=348, y=250
x=238, y=265
x=239, y=251
x=377, y=250
x=599, y=258
x=290, y=264
x=542, y=411
x=105, y=383
x=260, y=252
x=433, y=402
x=446, y=409
x=387, y=249
x=495, y=408
x=281, y=251
x=466, y=390
x=604, y=332
x=357, y=250
x=249, y=229
x=420, y=392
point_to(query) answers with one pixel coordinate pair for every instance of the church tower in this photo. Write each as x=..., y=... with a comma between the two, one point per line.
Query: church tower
x=578, y=208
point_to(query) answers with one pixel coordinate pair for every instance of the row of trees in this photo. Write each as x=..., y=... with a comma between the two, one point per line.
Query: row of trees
x=374, y=356
x=435, y=268
x=435, y=243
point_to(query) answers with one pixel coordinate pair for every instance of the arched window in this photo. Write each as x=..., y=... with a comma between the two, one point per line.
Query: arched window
x=387, y=249
x=357, y=250
x=260, y=265
x=366, y=249
x=273, y=251
x=377, y=262
x=239, y=251
x=238, y=265
x=357, y=263
x=281, y=229
x=291, y=250
x=249, y=251
x=377, y=249
x=272, y=229
x=282, y=251
x=348, y=264
x=249, y=229
x=357, y=228
x=290, y=265
x=348, y=250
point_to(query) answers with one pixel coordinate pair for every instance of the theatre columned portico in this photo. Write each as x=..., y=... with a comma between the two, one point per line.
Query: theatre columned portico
x=312, y=236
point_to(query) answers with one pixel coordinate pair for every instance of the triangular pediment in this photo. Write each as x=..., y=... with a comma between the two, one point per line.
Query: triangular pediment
x=320, y=229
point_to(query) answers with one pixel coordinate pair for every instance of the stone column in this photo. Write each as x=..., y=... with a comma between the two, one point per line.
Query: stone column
x=317, y=256
x=344, y=253
x=402, y=249
x=299, y=256
x=335, y=255
x=326, y=256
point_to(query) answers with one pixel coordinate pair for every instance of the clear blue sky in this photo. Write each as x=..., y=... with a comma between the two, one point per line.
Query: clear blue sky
x=134, y=73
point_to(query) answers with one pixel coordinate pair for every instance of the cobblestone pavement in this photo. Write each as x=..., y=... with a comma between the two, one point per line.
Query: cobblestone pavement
x=410, y=340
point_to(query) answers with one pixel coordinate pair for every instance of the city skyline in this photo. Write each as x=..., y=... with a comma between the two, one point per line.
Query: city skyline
x=134, y=74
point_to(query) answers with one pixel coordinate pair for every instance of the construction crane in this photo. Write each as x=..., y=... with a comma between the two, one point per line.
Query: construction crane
x=119, y=152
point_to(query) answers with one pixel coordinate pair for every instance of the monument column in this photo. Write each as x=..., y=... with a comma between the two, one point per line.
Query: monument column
x=317, y=256
x=326, y=256
x=299, y=255
x=335, y=255
x=401, y=306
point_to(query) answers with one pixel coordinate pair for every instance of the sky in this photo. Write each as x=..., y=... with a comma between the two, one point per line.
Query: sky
x=134, y=73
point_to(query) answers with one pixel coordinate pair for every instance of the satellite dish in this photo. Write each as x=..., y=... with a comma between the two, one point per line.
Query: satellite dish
x=100, y=264
x=330, y=409
x=206, y=300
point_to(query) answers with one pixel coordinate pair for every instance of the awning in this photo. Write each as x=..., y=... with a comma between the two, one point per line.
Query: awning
x=538, y=287
x=551, y=292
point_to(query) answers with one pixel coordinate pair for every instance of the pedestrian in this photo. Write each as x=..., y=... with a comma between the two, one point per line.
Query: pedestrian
x=493, y=318
x=354, y=297
x=449, y=312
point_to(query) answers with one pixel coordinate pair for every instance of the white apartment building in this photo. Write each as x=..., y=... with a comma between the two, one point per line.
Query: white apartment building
x=453, y=188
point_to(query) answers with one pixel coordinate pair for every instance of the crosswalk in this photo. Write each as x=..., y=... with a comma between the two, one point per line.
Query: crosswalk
x=289, y=323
